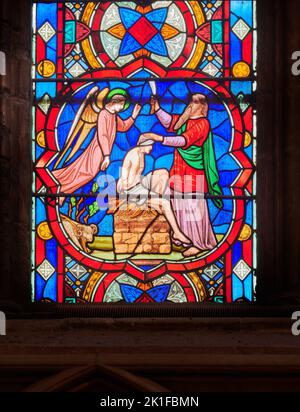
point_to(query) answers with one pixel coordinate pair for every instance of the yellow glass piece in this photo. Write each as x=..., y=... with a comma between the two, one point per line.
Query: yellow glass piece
x=200, y=45
x=44, y=231
x=117, y=31
x=40, y=139
x=168, y=32
x=248, y=139
x=86, y=46
x=199, y=285
x=241, y=70
x=46, y=68
x=246, y=233
x=94, y=279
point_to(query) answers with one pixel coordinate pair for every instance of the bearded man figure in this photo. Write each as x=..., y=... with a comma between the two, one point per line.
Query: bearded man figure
x=194, y=172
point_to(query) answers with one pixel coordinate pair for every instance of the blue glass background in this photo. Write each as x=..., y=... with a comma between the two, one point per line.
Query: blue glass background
x=240, y=9
x=48, y=13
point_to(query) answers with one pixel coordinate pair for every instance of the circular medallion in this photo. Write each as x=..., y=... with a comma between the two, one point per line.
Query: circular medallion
x=248, y=139
x=246, y=233
x=163, y=33
x=40, y=139
x=241, y=70
x=46, y=68
x=44, y=231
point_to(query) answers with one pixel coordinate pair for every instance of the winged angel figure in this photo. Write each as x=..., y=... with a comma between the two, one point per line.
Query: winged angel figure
x=98, y=111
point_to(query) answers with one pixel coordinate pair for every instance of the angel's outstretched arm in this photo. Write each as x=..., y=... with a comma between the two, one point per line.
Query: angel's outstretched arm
x=124, y=125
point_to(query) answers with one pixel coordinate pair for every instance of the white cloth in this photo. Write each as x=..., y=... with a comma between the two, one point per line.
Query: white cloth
x=139, y=194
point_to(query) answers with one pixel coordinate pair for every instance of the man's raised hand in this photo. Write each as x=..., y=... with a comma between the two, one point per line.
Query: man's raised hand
x=150, y=136
x=154, y=104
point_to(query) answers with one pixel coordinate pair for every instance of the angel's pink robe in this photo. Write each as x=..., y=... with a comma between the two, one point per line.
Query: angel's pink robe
x=88, y=164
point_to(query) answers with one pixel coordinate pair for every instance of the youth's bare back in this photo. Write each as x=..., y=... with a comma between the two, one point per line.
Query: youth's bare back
x=132, y=168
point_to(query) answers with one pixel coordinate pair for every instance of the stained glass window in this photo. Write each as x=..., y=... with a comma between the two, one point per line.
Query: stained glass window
x=144, y=147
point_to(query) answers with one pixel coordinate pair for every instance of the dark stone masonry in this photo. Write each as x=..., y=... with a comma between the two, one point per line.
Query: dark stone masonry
x=15, y=149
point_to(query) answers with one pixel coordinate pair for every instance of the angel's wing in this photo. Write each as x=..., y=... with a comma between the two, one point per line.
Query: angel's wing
x=85, y=120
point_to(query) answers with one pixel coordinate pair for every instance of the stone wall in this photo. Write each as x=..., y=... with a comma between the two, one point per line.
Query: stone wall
x=15, y=150
x=141, y=231
x=291, y=152
x=180, y=355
